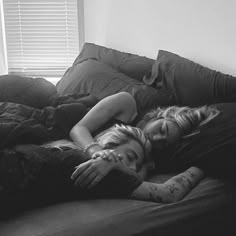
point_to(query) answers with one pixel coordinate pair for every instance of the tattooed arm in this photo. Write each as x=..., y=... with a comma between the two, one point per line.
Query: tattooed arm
x=172, y=190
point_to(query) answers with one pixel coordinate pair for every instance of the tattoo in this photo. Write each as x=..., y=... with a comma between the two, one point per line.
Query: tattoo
x=154, y=188
x=172, y=188
x=153, y=194
x=183, y=179
x=190, y=173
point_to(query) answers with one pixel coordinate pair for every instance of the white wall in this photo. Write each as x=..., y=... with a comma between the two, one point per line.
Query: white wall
x=201, y=30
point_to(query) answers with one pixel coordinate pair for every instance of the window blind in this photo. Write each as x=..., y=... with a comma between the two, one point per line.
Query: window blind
x=41, y=36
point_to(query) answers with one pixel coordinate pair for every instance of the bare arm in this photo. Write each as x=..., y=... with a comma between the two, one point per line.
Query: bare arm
x=121, y=106
x=91, y=172
x=172, y=190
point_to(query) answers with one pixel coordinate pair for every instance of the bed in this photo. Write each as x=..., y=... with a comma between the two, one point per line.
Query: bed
x=209, y=209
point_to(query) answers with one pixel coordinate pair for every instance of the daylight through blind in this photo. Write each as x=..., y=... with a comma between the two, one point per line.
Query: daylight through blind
x=41, y=36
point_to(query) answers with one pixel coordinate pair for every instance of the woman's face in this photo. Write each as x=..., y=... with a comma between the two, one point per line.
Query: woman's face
x=162, y=132
x=132, y=154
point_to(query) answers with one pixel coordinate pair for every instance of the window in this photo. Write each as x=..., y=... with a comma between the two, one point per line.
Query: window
x=41, y=36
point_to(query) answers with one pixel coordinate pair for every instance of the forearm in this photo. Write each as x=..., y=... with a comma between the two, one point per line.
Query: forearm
x=172, y=190
x=181, y=184
x=83, y=139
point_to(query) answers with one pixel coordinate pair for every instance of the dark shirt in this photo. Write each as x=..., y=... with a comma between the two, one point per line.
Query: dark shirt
x=39, y=174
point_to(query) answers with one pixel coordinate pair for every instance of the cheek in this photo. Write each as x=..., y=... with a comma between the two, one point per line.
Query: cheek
x=151, y=129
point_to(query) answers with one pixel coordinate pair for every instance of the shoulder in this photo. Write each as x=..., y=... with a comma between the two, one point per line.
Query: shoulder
x=122, y=97
x=123, y=103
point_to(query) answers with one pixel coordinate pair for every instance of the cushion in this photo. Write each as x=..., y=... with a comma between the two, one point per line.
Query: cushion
x=36, y=92
x=191, y=84
x=130, y=64
x=95, y=77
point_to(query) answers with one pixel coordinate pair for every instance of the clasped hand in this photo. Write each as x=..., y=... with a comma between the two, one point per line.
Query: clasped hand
x=91, y=172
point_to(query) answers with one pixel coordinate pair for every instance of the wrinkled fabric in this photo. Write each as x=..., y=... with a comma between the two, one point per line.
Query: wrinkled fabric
x=190, y=83
x=23, y=124
x=33, y=92
x=31, y=174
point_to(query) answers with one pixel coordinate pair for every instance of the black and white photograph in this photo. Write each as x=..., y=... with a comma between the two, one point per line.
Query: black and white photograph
x=117, y=117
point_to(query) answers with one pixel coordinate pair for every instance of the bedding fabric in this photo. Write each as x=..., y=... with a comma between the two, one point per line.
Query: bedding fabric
x=31, y=175
x=92, y=74
x=191, y=83
x=132, y=65
x=208, y=210
x=36, y=93
x=24, y=124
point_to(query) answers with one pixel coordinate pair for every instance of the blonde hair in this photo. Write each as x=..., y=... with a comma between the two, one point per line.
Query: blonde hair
x=114, y=136
x=121, y=134
x=187, y=118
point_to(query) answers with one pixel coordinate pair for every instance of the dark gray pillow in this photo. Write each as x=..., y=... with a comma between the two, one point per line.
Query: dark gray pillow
x=191, y=84
x=132, y=65
x=101, y=80
x=37, y=93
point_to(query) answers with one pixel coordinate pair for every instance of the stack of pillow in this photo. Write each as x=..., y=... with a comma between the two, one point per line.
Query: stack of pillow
x=168, y=80
x=100, y=71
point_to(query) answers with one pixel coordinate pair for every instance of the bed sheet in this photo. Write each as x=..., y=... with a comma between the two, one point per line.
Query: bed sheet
x=207, y=210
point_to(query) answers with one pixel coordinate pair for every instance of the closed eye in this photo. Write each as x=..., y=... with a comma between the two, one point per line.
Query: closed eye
x=132, y=155
x=163, y=129
x=167, y=129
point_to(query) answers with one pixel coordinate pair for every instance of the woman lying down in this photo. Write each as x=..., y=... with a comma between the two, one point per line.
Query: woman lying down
x=51, y=170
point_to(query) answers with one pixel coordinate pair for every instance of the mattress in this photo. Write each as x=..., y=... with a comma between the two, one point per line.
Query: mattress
x=207, y=210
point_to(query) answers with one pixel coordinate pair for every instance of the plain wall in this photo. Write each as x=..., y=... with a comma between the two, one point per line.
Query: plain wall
x=201, y=30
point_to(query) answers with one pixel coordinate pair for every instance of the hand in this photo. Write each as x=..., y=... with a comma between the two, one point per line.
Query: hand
x=108, y=155
x=91, y=172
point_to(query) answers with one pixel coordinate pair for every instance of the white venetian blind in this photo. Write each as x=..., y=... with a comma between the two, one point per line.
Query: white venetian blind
x=41, y=36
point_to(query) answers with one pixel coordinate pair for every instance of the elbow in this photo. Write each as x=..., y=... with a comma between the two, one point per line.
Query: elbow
x=72, y=131
x=75, y=130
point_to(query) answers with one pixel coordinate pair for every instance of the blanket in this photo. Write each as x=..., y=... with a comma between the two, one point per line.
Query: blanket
x=21, y=124
x=32, y=176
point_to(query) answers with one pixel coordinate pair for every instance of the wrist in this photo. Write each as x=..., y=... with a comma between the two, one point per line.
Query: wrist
x=91, y=148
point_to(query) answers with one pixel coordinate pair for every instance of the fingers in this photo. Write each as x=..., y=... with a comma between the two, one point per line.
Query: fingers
x=79, y=170
x=85, y=177
x=104, y=154
x=108, y=155
x=96, y=155
x=94, y=182
x=83, y=182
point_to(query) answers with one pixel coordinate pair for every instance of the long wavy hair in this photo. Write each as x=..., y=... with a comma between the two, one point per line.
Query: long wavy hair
x=187, y=118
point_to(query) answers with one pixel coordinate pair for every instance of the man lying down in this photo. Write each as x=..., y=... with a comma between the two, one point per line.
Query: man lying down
x=59, y=170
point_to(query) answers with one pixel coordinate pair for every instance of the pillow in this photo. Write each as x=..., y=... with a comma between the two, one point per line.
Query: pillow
x=130, y=64
x=36, y=92
x=190, y=83
x=101, y=80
